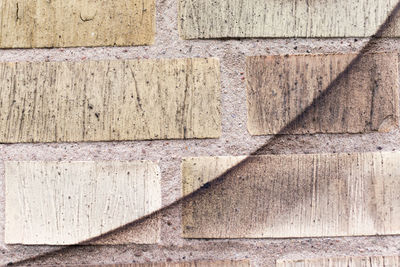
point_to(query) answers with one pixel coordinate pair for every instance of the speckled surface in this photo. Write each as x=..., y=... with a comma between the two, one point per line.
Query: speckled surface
x=235, y=140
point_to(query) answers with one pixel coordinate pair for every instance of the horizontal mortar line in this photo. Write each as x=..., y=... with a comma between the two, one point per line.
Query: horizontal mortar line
x=153, y=153
x=27, y=55
x=155, y=49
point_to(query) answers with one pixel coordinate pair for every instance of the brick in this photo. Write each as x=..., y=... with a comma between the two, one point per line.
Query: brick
x=283, y=196
x=362, y=98
x=281, y=18
x=225, y=263
x=63, y=203
x=57, y=23
x=372, y=261
x=147, y=231
x=109, y=100
x=199, y=171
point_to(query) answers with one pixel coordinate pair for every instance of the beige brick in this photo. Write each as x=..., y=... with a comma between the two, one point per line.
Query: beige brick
x=362, y=98
x=372, y=261
x=62, y=203
x=282, y=196
x=282, y=18
x=226, y=263
x=109, y=100
x=58, y=23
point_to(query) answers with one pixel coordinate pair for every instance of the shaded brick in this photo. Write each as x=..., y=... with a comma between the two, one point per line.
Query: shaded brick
x=330, y=96
x=281, y=18
x=282, y=196
x=62, y=203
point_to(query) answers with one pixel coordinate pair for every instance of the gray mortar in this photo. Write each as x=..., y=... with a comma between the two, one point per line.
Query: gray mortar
x=235, y=140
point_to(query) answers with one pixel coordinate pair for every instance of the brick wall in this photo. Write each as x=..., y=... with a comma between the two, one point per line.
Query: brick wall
x=284, y=148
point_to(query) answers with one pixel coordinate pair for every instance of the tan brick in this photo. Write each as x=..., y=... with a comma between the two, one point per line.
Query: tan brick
x=62, y=203
x=281, y=18
x=282, y=196
x=109, y=100
x=372, y=261
x=58, y=23
x=362, y=98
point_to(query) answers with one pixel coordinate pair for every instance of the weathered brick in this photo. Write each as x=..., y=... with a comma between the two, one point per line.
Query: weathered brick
x=58, y=23
x=147, y=231
x=333, y=93
x=62, y=203
x=372, y=261
x=281, y=18
x=109, y=100
x=282, y=196
x=198, y=171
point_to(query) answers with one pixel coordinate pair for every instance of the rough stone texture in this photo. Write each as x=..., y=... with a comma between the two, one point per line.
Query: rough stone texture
x=283, y=196
x=178, y=264
x=282, y=18
x=58, y=23
x=235, y=140
x=109, y=100
x=373, y=261
x=280, y=88
x=70, y=202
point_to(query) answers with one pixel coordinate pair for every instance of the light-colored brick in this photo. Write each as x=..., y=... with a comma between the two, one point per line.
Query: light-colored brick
x=109, y=100
x=282, y=18
x=330, y=97
x=62, y=203
x=282, y=196
x=57, y=23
